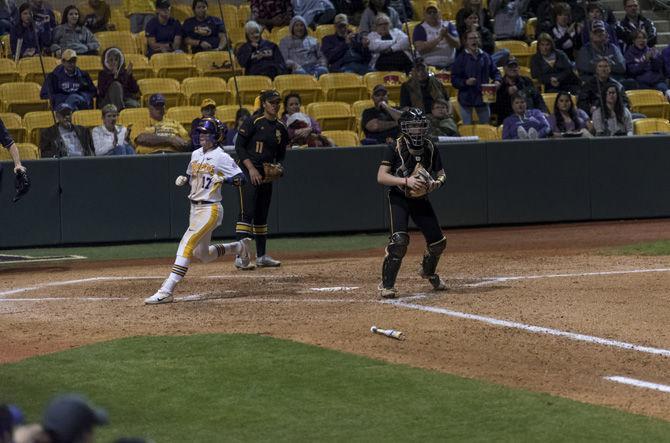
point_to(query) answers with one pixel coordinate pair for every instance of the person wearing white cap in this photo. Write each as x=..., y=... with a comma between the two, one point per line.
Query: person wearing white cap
x=69, y=84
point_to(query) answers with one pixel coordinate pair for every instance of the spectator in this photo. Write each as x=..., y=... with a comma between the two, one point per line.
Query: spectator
x=380, y=122
x=595, y=12
x=512, y=83
x=389, y=47
x=421, y=89
x=204, y=32
x=567, y=118
x=483, y=15
x=345, y=50
x=8, y=11
x=599, y=47
x=352, y=9
x=71, y=34
x=473, y=68
x=271, y=13
x=258, y=56
x=43, y=16
x=314, y=12
x=240, y=116
x=10, y=417
x=613, y=118
x=303, y=130
x=32, y=38
x=69, y=84
x=552, y=67
x=162, y=134
x=139, y=12
x=436, y=39
x=97, y=14
x=470, y=22
x=590, y=92
x=301, y=52
x=645, y=64
x=566, y=32
x=545, y=13
x=403, y=8
x=376, y=7
x=524, y=123
x=208, y=110
x=634, y=22
x=116, y=83
x=70, y=418
x=441, y=119
x=164, y=33
x=65, y=139
x=509, y=24
x=110, y=138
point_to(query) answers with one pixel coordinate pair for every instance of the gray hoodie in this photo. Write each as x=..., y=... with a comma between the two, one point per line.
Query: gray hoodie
x=301, y=52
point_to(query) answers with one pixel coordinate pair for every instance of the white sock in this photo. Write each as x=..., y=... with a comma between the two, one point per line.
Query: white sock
x=179, y=270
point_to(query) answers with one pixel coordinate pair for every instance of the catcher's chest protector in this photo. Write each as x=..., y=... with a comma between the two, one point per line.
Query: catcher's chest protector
x=408, y=158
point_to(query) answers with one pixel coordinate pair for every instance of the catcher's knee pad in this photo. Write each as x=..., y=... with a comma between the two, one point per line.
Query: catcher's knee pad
x=395, y=251
x=431, y=257
x=438, y=248
x=397, y=247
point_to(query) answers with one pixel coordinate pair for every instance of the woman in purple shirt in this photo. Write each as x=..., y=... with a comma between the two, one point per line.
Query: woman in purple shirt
x=525, y=123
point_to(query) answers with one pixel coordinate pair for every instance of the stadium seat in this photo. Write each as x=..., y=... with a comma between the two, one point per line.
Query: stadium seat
x=30, y=68
x=343, y=138
x=303, y=84
x=455, y=108
x=34, y=122
x=391, y=79
x=645, y=126
x=448, y=8
x=182, y=11
x=89, y=118
x=135, y=118
x=418, y=8
x=14, y=125
x=169, y=87
x=226, y=113
x=230, y=18
x=517, y=48
x=324, y=30
x=216, y=64
x=484, y=132
x=119, y=19
x=123, y=40
x=237, y=36
x=141, y=67
x=243, y=14
x=172, y=65
x=8, y=71
x=357, y=109
x=184, y=115
x=532, y=48
x=649, y=102
x=5, y=46
x=531, y=29
x=249, y=87
x=550, y=99
x=141, y=42
x=22, y=97
x=28, y=151
x=343, y=87
x=500, y=132
x=411, y=25
x=91, y=64
x=332, y=116
x=196, y=89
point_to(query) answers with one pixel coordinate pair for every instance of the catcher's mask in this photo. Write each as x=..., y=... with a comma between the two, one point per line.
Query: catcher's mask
x=212, y=127
x=414, y=125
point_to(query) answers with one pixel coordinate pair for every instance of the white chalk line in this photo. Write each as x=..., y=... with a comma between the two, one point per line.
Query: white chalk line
x=63, y=298
x=73, y=282
x=639, y=383
x=533, y=329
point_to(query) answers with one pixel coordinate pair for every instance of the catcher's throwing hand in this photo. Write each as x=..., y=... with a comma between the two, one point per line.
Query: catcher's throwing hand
x=416, y=184
x=181, y=180
x=19, y=168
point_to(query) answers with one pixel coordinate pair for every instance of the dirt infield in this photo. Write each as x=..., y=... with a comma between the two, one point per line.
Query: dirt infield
x=503, y=283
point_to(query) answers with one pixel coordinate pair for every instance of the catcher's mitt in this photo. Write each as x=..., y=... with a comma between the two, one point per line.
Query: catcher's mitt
x=22, y=185
x=272, y=171
x=424, y=176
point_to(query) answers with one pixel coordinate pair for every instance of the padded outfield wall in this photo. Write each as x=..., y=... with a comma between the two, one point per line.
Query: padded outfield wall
x=124, y=199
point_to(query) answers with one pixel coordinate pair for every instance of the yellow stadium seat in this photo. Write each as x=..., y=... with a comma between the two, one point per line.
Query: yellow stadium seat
x=28, y=151
x=216, y=64
x=184, y=114
x=8, y=71
x=141, y=42
x=455, y=108
x=249, y=87
x=343, y=138
x=5, y=46
x=645, y=126
x=169, y=87
x=243, y=14
x=134, y=118
x=517, y=48
x=30, y=68
x=141, y=67
x=303, y=84
x=532, y=48
x=182, y=11
x=196, y=89
x=22, y=97
x=123, y=40
x=484, y=132
x=411, y=25
x=391, y=79
x=418, y=8
x=531, y=28
x=448, y=8
x=34, y=122
x=58, y=15
x=357, y=109
x=230, y=18
x=324, y=30
x=500, y=132
x=649, y=102
x=237, y=36
x=550, y=99
x=173, y=65
x=344, y=87
x=91, y=64
x=332, y=116
x=89, y=118
x=121, y=22
x=227, y=113
x=14, y=125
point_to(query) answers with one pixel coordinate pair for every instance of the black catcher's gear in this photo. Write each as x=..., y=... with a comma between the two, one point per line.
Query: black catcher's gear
x=430, y=259
x=414, y=126
x=22, y=185
x=395, y=251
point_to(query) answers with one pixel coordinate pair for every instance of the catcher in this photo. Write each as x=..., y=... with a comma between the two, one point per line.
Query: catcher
x=22, y=182
x=261, y=147
x=408, y=168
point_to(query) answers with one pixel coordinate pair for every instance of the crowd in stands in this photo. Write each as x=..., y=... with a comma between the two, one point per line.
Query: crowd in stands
x=457, y=65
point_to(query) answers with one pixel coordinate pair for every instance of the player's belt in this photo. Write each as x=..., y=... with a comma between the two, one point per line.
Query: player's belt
x=202, y=202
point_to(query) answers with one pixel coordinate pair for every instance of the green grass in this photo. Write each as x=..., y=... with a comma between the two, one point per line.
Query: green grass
x=660, y=247
x=209, y=388
x=168, y=249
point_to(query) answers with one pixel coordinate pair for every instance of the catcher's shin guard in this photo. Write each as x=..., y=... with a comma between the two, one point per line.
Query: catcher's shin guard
x=395, y=251
x=431, y=257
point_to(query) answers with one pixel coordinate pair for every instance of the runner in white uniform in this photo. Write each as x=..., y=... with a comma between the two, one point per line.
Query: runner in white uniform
x=208, y=169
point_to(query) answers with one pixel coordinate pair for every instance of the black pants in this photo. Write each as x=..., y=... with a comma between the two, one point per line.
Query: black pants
x=253, y=219
x=421, y=211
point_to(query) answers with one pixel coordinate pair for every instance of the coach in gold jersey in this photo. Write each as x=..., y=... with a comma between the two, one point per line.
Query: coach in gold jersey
x=262, y=138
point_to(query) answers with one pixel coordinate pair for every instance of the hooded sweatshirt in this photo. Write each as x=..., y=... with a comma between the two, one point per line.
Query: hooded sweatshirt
x=308, y=9
x=106, y=76
x=59, y=85
x=301, y=51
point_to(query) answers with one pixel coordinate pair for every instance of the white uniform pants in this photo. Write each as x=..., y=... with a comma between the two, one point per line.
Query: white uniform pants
x=195, y=243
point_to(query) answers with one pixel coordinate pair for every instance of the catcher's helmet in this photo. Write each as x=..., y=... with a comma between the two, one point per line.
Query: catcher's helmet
x=414, y=125
x=213, y=127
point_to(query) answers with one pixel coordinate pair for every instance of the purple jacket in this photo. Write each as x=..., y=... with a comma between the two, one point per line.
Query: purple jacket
x=646, y=72
x=479, y=66
x=534, y=118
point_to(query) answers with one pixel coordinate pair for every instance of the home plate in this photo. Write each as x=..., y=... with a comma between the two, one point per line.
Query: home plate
x=335, y=289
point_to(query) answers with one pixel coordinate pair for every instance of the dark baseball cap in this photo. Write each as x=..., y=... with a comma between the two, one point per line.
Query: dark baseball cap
x=157, y=100
x=379, y=88
x=270, y=94
x=69, y=416
x=597, y=25
x=512, y=61
x=64, y=108
x=162, y=4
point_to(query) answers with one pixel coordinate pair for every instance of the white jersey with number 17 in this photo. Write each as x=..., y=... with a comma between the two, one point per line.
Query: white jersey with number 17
x=207, y=171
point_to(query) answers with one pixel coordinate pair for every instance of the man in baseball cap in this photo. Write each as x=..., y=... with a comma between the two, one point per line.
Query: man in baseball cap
x=65, y=139
x=67, y=82
x=162, y=135
x=380, y=122
x=601, y=45
x=70, y=418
